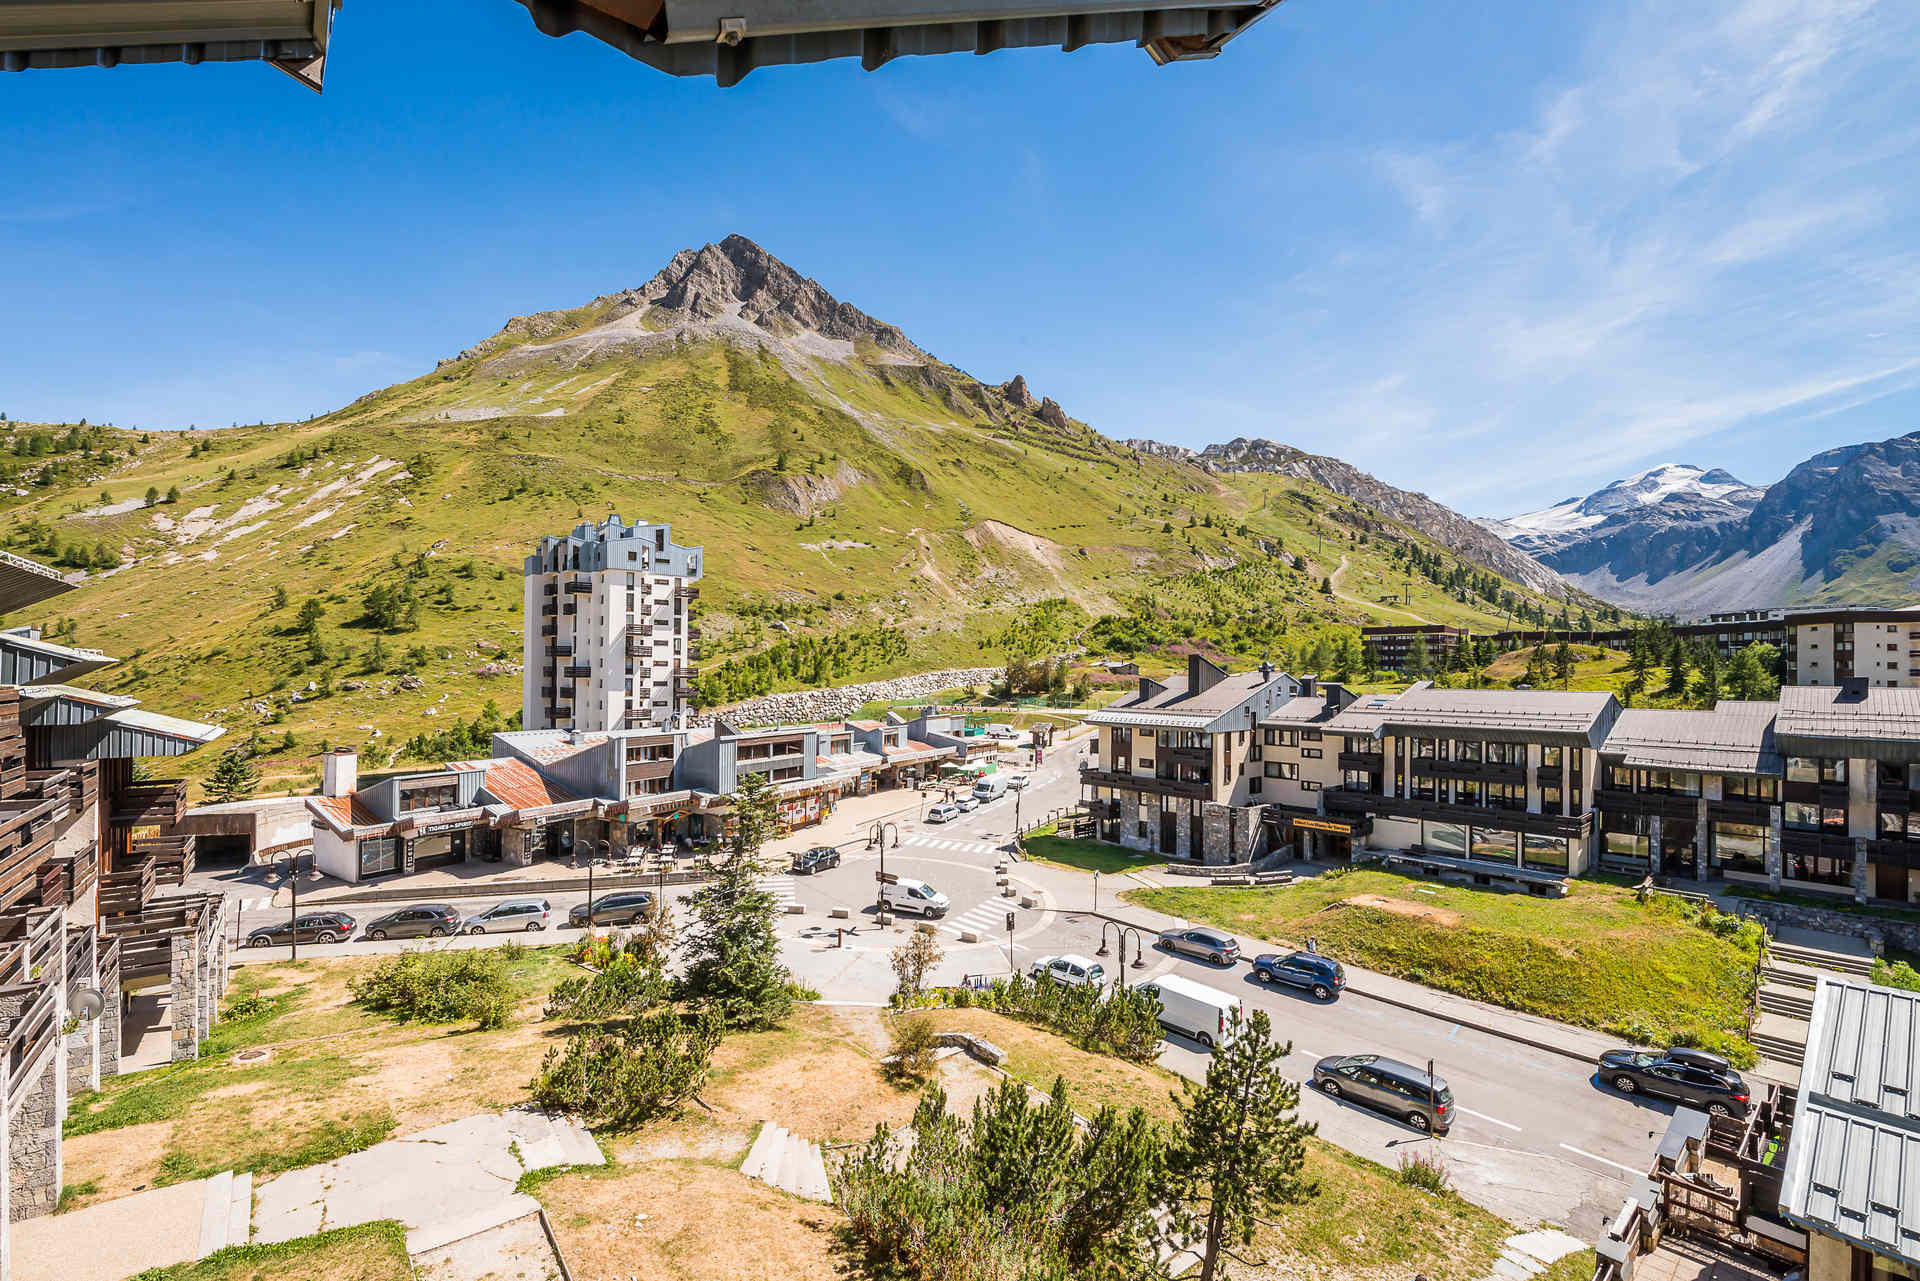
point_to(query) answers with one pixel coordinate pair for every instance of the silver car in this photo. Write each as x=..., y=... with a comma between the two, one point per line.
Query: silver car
x=1206, y=944
x=516, y=914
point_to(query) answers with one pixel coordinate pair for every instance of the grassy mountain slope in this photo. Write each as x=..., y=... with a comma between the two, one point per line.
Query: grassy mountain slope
x=897, y=517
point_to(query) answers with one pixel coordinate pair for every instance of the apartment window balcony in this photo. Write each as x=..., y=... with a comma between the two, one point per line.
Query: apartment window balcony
x=550, y=589
x=550, y=629
x=1143, y=783
x=693, y=653
x=683, y=689
x=686, y=592
x=560, y=649
x=685, y=673
x=576, y=671
x=693, y=633
x=1366, y=762
x=579, y=586
x=549, y=609
x=546, y=692
x=569, y=608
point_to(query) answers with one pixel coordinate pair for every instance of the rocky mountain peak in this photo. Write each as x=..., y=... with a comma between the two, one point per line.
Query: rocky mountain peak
x=1015, y=390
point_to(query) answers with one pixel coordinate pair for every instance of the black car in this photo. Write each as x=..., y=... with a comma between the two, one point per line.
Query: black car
x=422, y=920
x=817, y=859
x=1693, y=1078
x=314, y=927
x=1309, y=970
x=621, y=908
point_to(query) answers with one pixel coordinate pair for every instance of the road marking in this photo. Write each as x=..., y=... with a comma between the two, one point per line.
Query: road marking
x=1603, y=1160
x=781, y=887
x=1497, y=1121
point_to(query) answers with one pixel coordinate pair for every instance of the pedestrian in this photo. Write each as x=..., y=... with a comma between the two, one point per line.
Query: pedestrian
x=1313, y=946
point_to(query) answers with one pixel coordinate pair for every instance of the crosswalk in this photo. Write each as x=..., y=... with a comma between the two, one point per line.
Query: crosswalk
x=781, y=887
x=951, y=845
x=988, y=920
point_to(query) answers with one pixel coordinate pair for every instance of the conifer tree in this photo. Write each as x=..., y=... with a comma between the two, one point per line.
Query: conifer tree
x=733, y=947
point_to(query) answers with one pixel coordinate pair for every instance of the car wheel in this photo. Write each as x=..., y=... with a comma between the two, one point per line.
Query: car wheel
x=476, y=929
x=1321, y=992
x=1626, y=1084
x=439, y=931
x=1717, y=1108
x=1264, y=976
x=378, y=936
x=1217, y=959
x=1205, y=1040
x=259, y=940
x=533, y=926
x=326, y=936
x=1330, y=1087
x=1419, y=1121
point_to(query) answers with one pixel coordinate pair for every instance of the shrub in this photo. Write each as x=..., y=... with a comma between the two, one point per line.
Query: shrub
x=626, y=1075
x=439, y=987
x=914, y=1042
x=1425, y=1170
x=1124, y=1023
x=627, y=986
x=1896, y=974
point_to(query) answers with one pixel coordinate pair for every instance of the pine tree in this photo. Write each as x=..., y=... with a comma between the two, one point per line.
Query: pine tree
x=1677, y=668
x=1563, y=664
x=733, y=947
x=1239, y=1145
x=308, y=619
x=233, y=779
x=280, y=596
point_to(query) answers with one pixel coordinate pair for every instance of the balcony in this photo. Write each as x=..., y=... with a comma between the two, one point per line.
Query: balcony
x=560, y=649
x=693, y=634
x=1483, y=771
x=546, y=692
x=157, y=801
x=1366, y=762
x=569, y=608
x=1617, y=801
x=579, y=586
x=1144, y=783
x=550, y=589
x=1344, y=800
x=641, y=651
x=550, y=629
x=685, y=673
x=683, y=689
x=1737, y=809
x=549, y=610
x=643, y=771
x=686, y=591
x=577, y=671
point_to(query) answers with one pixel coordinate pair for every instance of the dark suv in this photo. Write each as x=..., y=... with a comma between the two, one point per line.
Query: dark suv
x=314, y=927
x=1390, y=1086
x=817, y=859
x=422, y=920
x=622, y=908
x=1690, y=1077
x=1317, y=974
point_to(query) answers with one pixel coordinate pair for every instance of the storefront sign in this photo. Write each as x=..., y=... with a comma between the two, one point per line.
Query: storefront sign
x=438, y=829
x=1324, y=825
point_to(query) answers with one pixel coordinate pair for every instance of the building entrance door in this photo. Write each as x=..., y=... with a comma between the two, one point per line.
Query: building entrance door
x=1169, y=832
x=1890, y=882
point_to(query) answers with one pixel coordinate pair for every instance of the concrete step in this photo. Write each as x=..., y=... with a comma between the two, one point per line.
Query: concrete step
x=768, y=1146
x=1819, y=959
x=214, y=1213
x=240, y=1210
x=814, y=1183
x=1789, y=973
x=1790, y=1002
x=577, y=1145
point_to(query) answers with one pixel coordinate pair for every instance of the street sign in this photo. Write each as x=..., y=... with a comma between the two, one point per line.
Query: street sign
x=887, y=878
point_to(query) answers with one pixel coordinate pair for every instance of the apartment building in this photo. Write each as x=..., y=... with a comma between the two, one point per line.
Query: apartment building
x=610, y=643
x=1294, y=761
x=1830, y=646
x=1170, y=770
x=1389, y=649
x=1501, y=778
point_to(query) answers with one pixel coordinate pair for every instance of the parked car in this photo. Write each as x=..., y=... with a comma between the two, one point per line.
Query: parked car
x=623, y=907
x=1310, y=970
x=817, y=859
x=1194, y=1009
x=943, y=813
x=1018, y=782
x=422, y=920
x=314, y=927
x=526, y=914
x=1390, y=1086
x=966, y=801
x=1692, y=1077
x=1208, y=945
x=1070, y=970
x=915, y=897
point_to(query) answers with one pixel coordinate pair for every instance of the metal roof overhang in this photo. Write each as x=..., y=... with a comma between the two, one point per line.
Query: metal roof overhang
x=1492, y=733
x=29, y=660
x=1901, y=749
x=24, y=582
x=1151, y=720
x=726, y=39
x=291, y=35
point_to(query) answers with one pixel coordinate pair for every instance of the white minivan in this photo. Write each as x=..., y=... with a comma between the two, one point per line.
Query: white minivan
x=915, y=897
x=990, y=788
x=1193, y=1009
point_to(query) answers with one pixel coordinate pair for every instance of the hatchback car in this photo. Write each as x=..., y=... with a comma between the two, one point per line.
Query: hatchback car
x=1390, y=1086
x=1070, y=970
x=314, y=927
x=1308, y=970
x=817, y=859
x=1690, y=1077
x=422, y=920
x=622, y=908
x=943, y=813
x=1018, y=782
x=966, y=801
x=524, y=914
x=1208, y=945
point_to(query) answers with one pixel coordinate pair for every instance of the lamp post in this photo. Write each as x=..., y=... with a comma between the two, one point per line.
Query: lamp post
x=606, y=851
x=293, y=911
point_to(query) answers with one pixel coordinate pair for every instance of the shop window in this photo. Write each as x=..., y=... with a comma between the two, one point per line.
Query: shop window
x=1819, y=869
x=427, y=796
x=1444, y=838
x=1739, y=847
x=1496, y=846
x=379, y=855
x=1626, y=847
x=1544, y=853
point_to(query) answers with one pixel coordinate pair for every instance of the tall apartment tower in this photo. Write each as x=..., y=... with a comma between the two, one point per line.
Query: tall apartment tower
x=609, y=644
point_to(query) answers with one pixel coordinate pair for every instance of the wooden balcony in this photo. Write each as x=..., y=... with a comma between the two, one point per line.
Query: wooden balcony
x=172, y=856
x=1144, y=783
x=154, y=803
x=1366, y=762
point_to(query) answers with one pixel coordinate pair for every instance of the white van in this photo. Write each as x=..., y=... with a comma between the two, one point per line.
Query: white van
x=1004, y=733
x=915, y=897
x=1194, y=1009
x=990, y=788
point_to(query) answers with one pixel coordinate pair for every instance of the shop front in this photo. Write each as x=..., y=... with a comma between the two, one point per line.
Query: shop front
x=1310, y=835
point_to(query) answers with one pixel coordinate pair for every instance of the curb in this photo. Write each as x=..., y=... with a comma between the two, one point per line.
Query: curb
x=1394, y=1001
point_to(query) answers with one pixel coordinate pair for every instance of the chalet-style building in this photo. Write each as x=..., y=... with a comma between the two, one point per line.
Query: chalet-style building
x=1170, y=766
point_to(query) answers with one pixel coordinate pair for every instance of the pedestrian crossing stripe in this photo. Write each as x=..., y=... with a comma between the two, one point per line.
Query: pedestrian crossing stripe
x=256, y=904
x=962, y=847
x=986, y=920
x=781, y=887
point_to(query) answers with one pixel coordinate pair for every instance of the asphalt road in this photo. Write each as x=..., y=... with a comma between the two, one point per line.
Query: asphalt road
x=1536, y=1138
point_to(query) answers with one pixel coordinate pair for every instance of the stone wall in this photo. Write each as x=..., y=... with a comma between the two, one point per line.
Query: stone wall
x=1879, y=932
x=807, y=706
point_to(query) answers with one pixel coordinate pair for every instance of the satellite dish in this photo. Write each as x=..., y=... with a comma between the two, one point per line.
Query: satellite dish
x=86, y=1003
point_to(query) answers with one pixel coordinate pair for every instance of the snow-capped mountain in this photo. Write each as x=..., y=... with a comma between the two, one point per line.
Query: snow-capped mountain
x=1677, y=484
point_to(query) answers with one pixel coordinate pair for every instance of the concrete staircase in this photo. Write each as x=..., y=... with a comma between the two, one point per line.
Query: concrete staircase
x=1822, y=952
x=788, y=1162
x=1795, y=961
x=227, y=1216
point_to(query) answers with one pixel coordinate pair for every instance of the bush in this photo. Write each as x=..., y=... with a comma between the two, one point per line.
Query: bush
x=914, y=1042
x=439, y=987
x=1425, y=1170
x=630, y=1074
x=1124, y=1023
x=1896, y=974
x=627, y=986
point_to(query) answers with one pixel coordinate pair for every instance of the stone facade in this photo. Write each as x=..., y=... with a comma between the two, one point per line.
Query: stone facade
x=1879, y=932
x=1232, y=832
x=33, y=1148
x=810, y=706
x=199, y=980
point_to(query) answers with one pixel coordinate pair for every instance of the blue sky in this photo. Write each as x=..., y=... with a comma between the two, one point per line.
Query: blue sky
x=1502, y=253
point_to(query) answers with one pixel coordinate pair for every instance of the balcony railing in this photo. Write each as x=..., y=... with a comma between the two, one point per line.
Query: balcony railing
x=560, y=649
x=1144, y=783
x=550, y=609
x=579, y=586
x=1369, y=762
x=575, y=671
x=157, y=801
x=550, y=629
x=686, y=591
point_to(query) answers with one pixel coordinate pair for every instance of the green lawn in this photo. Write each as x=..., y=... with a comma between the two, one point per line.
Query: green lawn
x=1088, y=856
x=1598, y=958
x=368, y=1252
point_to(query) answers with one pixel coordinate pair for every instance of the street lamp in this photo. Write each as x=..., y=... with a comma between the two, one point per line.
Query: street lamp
x=606, y=852
x=293, y=911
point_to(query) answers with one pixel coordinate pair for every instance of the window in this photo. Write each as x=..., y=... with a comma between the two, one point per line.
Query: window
x=1617, y=778
x=1496, y=846
x=1816, y=769
x=1355, y=780
x=1669, y=782
x=1465, y=751
x=1739, y=847
x=1255, y=785
x=1544, y=853
x=1819, y=869
x=1736, y=787
x=379, y=854
x=1550, y=800
x=1507, y=796
x=1626, y=847
x=1444, y=838
x=1310, y=753
x=1282, y=769
x=1284, y=737
x=1801, y=817
x=1422, y=748
x=1552, y=756
x=1466, y=792
x=1833, y=770
x=1507, y=753
x=427, y=796
x=1309, y=735
x=1309, y=786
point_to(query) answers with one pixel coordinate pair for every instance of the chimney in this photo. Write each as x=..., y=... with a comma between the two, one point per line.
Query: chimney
x=339, y=772
x=1853, y=689
x=1308, y=684
x=1201, y=675
x=1266, y=671
x=1149, y=687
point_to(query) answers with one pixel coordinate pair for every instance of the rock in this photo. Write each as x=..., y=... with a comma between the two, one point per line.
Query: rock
x=410, y=681
x=1051, y=414
x=350, y=687
x=840, y=702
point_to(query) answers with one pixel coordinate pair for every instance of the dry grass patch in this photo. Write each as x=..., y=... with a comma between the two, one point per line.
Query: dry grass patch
x=369, y=1252
x=1401, y=907
x=673, y=1220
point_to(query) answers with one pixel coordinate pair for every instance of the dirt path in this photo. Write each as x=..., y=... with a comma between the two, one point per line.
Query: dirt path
x=1375, y=606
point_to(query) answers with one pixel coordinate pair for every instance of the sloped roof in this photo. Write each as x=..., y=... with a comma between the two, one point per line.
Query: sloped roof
x=1829, y=720
x=1172, y=707
x=519, y=786
x=1304, y=709
x=1569, y=718
x=551, y=745
x=1365, y=714
x=1853, y=1168
x=344, y=813
x=1734, y=738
